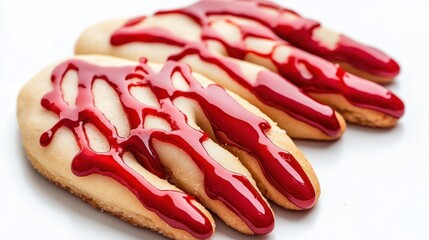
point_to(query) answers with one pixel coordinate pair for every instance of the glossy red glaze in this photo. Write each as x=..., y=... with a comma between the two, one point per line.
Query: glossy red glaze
x=232, y=124
x=371, y=59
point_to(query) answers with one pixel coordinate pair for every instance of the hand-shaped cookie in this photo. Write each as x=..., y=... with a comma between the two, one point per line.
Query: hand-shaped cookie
x=249, y=47
x=112, y=131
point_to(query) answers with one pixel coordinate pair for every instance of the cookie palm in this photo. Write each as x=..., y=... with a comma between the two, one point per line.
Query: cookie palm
x=215, y=45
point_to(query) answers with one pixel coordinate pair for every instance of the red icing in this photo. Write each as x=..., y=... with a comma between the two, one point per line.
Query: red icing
x=231, y=123
x=327, y=77
x=372, y=60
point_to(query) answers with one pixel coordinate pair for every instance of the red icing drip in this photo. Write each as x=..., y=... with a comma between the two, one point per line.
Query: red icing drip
x=298, y=105
x=375, y=62
x=232, y=124
x=150, y=35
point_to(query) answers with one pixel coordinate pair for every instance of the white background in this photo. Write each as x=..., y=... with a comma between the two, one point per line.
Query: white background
x=375, y=183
